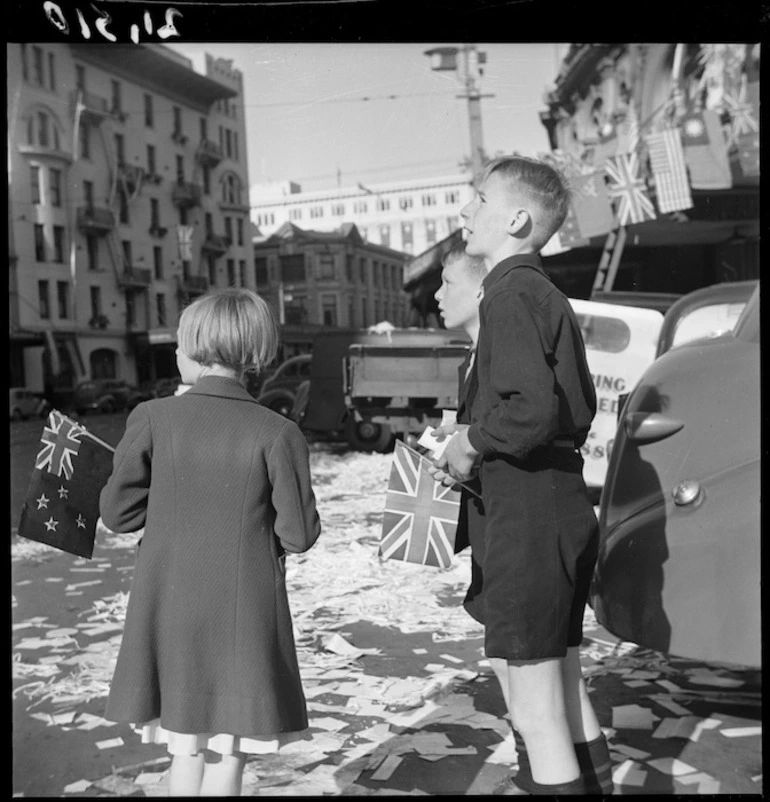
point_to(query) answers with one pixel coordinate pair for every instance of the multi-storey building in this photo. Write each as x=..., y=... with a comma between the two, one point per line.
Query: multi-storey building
x=408, y=216
x=322, y=279
x=128, y=197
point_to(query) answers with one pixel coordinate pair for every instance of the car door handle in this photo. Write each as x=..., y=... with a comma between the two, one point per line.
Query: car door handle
x=649, y=427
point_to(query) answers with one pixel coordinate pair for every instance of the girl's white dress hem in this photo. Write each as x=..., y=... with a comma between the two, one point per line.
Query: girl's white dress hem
x=183, y=743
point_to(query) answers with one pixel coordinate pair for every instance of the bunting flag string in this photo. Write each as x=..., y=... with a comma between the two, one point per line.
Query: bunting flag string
x=669, y=170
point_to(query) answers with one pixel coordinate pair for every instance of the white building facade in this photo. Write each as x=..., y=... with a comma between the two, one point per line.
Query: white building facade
x=407, y=216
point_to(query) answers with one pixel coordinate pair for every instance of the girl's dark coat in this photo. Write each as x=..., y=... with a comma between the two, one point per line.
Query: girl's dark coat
x=222, y=488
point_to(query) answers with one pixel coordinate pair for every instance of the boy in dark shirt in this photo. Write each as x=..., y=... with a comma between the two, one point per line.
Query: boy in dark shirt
x=530, y=409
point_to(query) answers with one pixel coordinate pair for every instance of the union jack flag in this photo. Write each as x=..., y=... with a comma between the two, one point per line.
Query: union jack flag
x=420, y=519
x=628, y=187
x=61, y=441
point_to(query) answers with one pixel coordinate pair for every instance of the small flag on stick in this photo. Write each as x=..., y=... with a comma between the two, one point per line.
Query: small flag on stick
x=61, y=508
x=420, y=520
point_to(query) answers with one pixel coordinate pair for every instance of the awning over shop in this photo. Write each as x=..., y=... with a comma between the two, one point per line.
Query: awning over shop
x=429, y=260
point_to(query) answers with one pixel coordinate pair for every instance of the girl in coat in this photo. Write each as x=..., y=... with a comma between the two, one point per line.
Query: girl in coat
x=221, y=486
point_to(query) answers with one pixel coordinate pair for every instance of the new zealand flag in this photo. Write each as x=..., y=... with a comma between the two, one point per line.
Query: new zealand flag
x=61, y=508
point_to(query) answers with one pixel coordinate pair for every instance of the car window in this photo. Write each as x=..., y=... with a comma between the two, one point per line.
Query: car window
x=707, y=321
x=304, y=368
x=604, y=333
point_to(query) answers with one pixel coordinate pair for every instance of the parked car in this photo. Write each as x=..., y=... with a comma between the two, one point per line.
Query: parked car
x=279, y=390
x=166, y=387
x=679, y=561
x=24, y=404
x=107, y=395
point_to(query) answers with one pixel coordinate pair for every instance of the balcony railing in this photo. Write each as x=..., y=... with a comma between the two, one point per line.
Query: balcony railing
x=209, y=154
x=95, y=220
x=186, y=195
x=216, y=244
x=135, y=277
x=95, y=108
x=193, y=285
x=158, y=231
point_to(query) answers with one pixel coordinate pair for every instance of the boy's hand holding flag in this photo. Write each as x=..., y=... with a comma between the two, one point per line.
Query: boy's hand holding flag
x=61, y=508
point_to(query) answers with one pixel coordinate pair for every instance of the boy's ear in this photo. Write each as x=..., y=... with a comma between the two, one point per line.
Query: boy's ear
x=520, y=222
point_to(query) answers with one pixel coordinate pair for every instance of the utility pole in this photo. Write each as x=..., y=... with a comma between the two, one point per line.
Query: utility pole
x=468, y=63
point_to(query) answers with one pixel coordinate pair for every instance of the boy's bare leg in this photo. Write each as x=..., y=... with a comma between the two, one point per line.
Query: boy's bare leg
x=537, y=706
x=583, y=723
x=500, y=667
x=185, y=774
x=225, y=777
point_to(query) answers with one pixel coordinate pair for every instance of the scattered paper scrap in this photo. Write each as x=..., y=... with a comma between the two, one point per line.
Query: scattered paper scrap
x=705, y=782
x=631, y=751
x=77, y=787
x=150, y=777
x=387, y=767
x=741, y=732
x=451, y=658
x=110, y=743
x=670, y=765
x=629, y=773
x=632, y=717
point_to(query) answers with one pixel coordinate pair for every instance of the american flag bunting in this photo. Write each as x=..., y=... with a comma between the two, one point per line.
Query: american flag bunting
x=672, y=187
x=626, y=185
x=420, y=519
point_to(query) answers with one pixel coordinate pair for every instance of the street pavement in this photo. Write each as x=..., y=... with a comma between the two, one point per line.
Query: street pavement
x=400, y=698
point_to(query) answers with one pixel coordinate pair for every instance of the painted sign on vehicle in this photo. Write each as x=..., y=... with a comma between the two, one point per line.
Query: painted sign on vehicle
x=620, y=344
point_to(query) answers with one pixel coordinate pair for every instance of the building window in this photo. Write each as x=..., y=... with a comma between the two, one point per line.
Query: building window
x=96, y=301
x=43, y=304
x=39, y=243
x=149, y=114
x=206, y=173
x=231, y=272
x=316, y=211
x=430, y=231
x=405, y=203
x=228, y=143
x=151, y=159
x=375, y=274
x=154, y=213
x=42, y=130
x=385, y=236
x=325, y=266
x=338, y=209
x=180, y=169
x=364, y=316
x=58, y=244
x=160, y=306
x=295, y=214
x=157, y=261
x=204, y=128
x=51, y=72
x=362, y=269
x=383, y=204
x=63, y=299
x=123, y=208
x=92, y=252
x=37, y=66
x=177, y=121
x=80, y=77
x=130, y=309
x=452, y=197
x=239, y=230
x=229, y=229
x=117, y=99
x=292, y=267
x=55, y=187
x=120, y=149
x=349, y=267
x=34, y=177
x=429, y=200
x=84, y=138
x=260, y=270
x=183, y=217
x=406, y=236
x=329, y=310
x=295, y=310
x=208, y=224
x=360, y=207
x=88, y=193
x=235, y=145
x=185, y=269
x=212, y=266
x=242, y=272
x=126, y=247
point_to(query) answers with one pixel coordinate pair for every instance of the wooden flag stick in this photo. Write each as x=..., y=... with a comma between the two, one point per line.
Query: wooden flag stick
x=92, y=436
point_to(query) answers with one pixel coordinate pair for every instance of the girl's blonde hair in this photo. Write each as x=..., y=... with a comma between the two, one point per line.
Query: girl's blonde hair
x=233, y=327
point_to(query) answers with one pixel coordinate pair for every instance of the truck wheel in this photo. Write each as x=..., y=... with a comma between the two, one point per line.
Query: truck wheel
x=367, y=436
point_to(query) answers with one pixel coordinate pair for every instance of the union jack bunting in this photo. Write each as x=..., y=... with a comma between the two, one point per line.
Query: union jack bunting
x=61, y=508
x=420, y=519
x=668, y=166
x=634, y=205
x=185, y=234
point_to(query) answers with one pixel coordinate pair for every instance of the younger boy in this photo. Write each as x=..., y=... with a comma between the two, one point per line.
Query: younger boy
x=530, y=409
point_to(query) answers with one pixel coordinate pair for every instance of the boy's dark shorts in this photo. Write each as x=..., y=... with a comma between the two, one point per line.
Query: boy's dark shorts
x=534, y=545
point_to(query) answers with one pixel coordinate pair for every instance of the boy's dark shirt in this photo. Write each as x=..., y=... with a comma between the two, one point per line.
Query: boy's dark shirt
x=534, y=385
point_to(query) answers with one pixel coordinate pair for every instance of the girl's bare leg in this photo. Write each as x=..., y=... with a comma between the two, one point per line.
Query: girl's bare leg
x=185, y=774
x=225, y=777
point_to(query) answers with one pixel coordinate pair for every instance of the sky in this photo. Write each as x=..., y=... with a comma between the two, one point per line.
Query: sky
x=306, y=120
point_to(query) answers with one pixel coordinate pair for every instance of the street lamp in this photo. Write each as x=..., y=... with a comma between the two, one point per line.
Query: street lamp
x=468, y=63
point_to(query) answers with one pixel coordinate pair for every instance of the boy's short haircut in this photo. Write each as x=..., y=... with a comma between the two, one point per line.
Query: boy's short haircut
x=475, y=265
x=540, y=184
x=233, y=327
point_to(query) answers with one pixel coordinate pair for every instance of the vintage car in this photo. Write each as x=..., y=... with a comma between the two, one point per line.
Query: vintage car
x=25, y=403
x=106, y=396
x=279, y=390
x=679, y=560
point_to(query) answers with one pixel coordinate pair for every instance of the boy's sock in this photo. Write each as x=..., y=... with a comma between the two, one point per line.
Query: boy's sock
x=595, y=765
x=523, y=778
x=573, y=788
